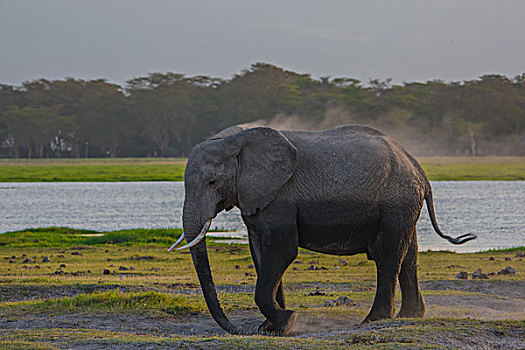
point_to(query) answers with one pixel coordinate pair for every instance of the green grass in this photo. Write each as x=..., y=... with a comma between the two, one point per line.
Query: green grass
x=114, y=301
x=172, y=169
x=67, y=237
x=93, y=170
x=474, y=168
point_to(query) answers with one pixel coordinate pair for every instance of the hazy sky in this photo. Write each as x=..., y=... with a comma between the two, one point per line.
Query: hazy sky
x=413, y=40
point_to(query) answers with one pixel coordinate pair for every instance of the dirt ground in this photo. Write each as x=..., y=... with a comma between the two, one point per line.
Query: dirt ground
x=479, y=300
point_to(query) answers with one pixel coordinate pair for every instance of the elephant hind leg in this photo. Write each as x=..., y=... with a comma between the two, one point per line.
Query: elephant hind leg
x=412, y=304
x=388, y=253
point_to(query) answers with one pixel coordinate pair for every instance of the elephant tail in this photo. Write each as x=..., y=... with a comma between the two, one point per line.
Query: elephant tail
x=430, y=206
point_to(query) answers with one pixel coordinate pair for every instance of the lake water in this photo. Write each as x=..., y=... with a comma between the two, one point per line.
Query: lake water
x=494, y=210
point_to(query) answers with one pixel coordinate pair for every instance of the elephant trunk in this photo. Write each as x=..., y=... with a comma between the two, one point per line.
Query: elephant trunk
x=202, y=266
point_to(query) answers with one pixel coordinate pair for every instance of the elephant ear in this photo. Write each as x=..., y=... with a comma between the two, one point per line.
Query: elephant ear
x=267, y=160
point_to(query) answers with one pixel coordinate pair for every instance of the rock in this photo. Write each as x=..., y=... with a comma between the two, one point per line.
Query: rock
x=463, y=275
x=341, y=301
x=237, y=267
x=62, y=265
x=492, y=258
x=59, y=272
x=251, y=266
x=60, y=256
x=106, y=272
x=509, y=270
x=11, y=261
x=297, y=261
x=28, y=261
x=295, y=268
x=122, y=268
x=313, y=267
x=314, y=262
x=520, y=255
x=76, y=253
x=132, y=268
x=343, y=262
x=45, y=259
x=316, y=293
x=249, y=274
x=361, y=263
x=479, y=275
x=508, y=259
x=147, y=257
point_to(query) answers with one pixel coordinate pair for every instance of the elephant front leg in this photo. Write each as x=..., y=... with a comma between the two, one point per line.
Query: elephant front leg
x=267, y=327
x=277, y=248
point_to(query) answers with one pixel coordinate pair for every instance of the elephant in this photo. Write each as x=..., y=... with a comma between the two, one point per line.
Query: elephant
x=342, y=191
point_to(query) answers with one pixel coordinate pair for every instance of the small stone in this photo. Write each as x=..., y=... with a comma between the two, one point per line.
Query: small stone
x=297, y=261
x=132, y=268
x=76, y=253
x=106, y=251
x=147, y=257
x=37, y=266
x=341, y=301
x=59, y=272
x=492, y=258
x=122, y=268
x=508, y=259
x=518, y=255
x=295, y=268
x=314, y=262
x=62, y=266
x=479, y=275
x=361, y=263
x=28, y=261
x=509, y=270
x=106, y=272
x=11, y=261
x=463, y=275
x=316, y=293
x=343, y=262
x=251, y=266
x=249, y=274
x=45, y=259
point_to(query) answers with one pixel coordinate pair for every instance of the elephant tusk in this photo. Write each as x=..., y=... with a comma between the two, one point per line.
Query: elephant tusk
x=178, y=243
x=199, y=238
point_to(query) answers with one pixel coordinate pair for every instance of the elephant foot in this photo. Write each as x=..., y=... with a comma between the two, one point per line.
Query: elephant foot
x=266, y=328
x=375, y=316
x=285, y=322
x=413, y=311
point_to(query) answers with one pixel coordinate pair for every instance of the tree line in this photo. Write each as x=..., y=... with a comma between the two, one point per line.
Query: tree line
x=166, y=114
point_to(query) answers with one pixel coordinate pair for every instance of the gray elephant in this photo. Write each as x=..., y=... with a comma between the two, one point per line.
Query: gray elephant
x=343, y=191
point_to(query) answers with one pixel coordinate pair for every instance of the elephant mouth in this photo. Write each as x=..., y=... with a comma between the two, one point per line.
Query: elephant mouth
x=195, y=241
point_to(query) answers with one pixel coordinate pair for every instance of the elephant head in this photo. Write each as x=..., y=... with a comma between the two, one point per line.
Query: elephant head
x=246, y=169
